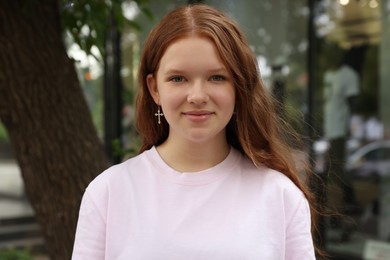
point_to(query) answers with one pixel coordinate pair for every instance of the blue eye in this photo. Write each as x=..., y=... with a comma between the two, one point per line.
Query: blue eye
x=217, y=78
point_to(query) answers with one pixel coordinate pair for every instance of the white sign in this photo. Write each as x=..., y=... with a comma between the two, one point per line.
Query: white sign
x=376, y=250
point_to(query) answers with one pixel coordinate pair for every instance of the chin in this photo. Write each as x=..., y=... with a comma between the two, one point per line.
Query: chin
x=199, y=137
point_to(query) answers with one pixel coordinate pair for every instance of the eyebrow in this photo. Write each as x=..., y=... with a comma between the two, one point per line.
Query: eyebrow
x=178, y=71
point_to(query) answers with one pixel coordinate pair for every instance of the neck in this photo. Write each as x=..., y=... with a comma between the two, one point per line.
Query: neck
x=190, y=157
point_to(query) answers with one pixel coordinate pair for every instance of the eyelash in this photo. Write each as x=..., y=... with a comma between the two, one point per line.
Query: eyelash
x=220, y=77
x=178, y=79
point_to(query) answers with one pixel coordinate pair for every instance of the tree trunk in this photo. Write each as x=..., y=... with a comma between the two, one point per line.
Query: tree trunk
x=46, y=116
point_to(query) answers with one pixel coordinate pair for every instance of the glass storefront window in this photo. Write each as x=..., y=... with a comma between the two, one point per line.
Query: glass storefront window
x=351, y=108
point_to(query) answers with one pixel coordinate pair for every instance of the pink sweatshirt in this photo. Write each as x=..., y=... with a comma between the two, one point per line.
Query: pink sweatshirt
x=143, y=209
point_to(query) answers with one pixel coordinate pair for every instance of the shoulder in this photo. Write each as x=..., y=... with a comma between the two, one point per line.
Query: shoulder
x=347, y=71
x=270, y=180
x=283, y=187
x=118, y=174
x=284, y=195
x=275, y=191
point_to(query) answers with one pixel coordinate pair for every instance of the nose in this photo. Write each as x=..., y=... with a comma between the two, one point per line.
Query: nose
x=198, y=93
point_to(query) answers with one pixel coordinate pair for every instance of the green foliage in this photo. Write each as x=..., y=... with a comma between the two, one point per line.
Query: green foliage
x=3, y=133
x=15, y=254
x=121, y=152
x=87, y=21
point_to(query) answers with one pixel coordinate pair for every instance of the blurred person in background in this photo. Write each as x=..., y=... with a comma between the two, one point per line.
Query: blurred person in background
x=341, y=87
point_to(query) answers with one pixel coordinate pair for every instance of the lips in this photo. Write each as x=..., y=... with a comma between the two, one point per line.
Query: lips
x=198, y=116
x=198, y=113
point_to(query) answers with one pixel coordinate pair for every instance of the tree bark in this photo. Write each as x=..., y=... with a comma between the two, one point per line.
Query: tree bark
x=44, y=111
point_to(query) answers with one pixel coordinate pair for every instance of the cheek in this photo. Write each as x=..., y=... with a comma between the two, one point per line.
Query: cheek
x=171, y=100
x=227, y=99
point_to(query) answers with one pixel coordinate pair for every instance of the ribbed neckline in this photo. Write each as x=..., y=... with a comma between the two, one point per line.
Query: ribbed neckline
x=193, y=178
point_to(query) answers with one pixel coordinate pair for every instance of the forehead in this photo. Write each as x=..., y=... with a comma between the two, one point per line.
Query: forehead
x=191, y=51
x=189, y=44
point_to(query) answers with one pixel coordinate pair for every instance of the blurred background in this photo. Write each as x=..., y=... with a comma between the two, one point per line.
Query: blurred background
x=300, y=47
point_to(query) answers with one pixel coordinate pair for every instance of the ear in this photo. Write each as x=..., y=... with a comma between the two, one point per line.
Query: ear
x=152, y=86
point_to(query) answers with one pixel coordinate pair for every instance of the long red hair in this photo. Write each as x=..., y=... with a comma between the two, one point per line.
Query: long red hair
x=256, y=130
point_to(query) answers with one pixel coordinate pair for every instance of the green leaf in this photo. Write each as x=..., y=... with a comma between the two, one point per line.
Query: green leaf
x=147, y=12
x=96, y=15
x=134, y=25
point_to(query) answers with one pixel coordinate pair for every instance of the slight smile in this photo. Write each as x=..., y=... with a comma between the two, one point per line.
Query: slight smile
x=198, y=115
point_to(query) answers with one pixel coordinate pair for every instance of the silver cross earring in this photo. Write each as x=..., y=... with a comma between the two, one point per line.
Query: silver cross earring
x=159, y=115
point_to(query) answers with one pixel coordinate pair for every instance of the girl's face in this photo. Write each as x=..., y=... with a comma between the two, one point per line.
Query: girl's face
x=194, y=90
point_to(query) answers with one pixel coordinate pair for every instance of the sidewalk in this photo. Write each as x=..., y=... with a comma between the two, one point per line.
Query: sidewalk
x=17, y=227
x=13, y=202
